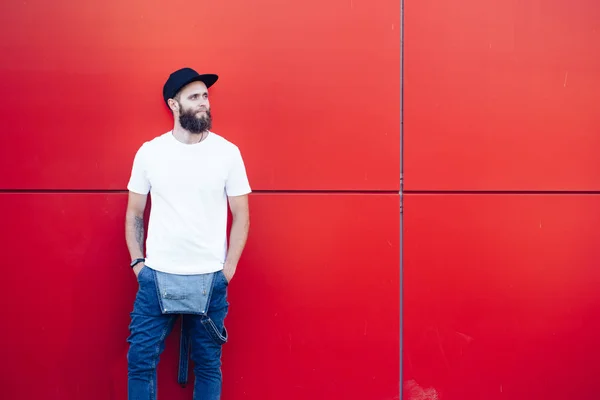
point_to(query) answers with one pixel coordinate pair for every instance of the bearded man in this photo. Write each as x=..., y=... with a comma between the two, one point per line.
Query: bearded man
x=192, y=175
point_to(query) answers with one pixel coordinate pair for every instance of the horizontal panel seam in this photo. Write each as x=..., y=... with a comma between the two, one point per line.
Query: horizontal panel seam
x=118, y=191
x=500, y=192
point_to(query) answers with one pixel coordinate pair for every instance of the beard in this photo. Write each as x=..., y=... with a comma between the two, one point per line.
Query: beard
x=191, y=123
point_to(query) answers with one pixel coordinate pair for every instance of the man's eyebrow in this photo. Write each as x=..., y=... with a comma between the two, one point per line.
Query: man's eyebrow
x=197, y=93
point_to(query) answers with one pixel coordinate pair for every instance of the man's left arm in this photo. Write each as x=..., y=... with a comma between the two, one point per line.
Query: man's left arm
x=239, y=233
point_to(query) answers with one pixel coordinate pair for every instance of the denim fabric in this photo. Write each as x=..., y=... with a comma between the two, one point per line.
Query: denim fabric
x=149, y=328
x=184, y=294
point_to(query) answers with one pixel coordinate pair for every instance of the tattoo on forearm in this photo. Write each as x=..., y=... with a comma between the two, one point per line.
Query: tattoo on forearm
x=139, y=232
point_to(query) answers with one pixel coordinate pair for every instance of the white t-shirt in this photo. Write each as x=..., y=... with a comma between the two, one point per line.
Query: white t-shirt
x=189, y=185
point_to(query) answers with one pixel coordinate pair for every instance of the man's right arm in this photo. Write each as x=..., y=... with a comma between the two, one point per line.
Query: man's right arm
x=134, y=227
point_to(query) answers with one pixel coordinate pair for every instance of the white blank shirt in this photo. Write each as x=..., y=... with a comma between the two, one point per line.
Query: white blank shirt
x=189, y=186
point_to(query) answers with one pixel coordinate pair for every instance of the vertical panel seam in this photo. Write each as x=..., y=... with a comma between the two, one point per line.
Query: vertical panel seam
x=401, y=208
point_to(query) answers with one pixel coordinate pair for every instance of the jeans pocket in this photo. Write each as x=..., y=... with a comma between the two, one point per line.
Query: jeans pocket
x=225, y=281
x=139, y=275
x=219, y=338
x=146, y=300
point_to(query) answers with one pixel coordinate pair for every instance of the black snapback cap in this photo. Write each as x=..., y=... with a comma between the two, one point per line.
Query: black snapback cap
x=182, y=77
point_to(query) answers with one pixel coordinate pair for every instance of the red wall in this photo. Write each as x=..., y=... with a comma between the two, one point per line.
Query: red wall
x=500, y=281
x=502, y=205
x=310, y=91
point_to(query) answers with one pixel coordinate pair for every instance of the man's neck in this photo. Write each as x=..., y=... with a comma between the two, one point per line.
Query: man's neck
x=187, y=137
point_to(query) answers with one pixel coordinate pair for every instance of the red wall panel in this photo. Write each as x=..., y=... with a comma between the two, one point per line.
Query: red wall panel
x=67, y=293
x=501, y=297
x=314, y=306
x=310, y=90
x=502, y=95
x=320, y=293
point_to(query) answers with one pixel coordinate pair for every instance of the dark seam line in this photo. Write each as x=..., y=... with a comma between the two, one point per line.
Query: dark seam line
x=358, y=191
x=119, y=191
x=323, y=191
x=501, y=192
x=43, y=191
x=401, y=216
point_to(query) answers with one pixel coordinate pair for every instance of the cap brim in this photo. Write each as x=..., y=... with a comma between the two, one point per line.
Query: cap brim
x=208, y=79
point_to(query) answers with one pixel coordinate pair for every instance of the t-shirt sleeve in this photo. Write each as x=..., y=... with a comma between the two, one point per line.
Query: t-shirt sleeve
x=237, y=180
x=138, y=181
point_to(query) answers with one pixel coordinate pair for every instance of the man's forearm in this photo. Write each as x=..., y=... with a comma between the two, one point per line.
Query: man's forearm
x=237, y=241
x=134, y=234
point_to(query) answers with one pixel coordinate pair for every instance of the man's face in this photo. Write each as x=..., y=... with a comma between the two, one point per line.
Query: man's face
x=194, y=108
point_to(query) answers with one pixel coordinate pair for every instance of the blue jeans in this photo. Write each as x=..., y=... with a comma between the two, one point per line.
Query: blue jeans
x=149, y=329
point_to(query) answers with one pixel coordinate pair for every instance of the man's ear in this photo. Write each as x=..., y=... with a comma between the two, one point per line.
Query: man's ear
x=173, y=105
